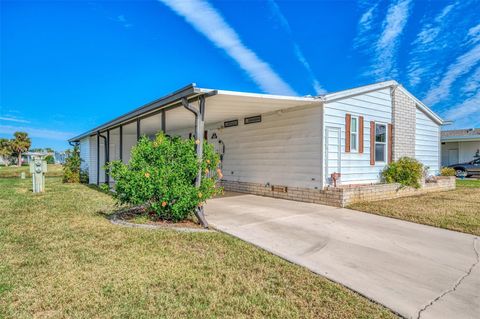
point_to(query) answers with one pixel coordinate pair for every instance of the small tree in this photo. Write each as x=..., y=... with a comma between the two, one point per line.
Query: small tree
x=406, y=171
x=5, y=150
x=20, y=144
x=50, y=159
x=71, y=167
x=161, y=175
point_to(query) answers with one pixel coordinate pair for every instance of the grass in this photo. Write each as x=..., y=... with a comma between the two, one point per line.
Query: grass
x=60, y=257
x=14, y=171
x=457, y=210
x=468, y=183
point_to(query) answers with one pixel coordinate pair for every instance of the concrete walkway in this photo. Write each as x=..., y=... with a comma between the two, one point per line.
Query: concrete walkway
x=415, y=270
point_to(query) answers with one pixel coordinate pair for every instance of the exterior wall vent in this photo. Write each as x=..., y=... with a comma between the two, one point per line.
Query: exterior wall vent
x=252, y=119
x=279, y=188
x=230, y=123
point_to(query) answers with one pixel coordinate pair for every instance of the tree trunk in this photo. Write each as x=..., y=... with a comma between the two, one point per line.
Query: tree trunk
x=19, y=163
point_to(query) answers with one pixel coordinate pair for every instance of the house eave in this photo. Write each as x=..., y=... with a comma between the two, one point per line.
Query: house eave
x=188, y=91
x=466, y=138
x=331, y=97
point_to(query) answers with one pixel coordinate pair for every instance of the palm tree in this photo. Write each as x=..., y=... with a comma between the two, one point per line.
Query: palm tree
x=5, y=150
x=20, y=144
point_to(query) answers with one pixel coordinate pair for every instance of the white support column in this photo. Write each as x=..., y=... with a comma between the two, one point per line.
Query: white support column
x=199, y=129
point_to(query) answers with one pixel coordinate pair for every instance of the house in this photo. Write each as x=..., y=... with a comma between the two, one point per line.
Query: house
x=460, y=146
x=285, y=144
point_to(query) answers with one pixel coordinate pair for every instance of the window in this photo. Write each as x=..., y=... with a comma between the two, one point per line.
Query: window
x=354, y=133
x=380, y=142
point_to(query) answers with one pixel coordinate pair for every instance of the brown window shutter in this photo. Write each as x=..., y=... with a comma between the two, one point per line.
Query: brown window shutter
x=360, y=134
x=390, y=142
x=348, y=121
x=372, y=143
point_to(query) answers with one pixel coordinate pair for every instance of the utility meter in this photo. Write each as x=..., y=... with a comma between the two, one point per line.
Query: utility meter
x=38, y=168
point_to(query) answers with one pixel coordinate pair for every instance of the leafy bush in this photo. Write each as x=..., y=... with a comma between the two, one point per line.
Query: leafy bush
x=50, y=159
x=447, y=171
x=161, y=175
x=71, y=167
x=84, y=178
x=406, y=171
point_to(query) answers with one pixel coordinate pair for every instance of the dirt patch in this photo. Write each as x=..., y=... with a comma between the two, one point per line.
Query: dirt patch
x=139, y=217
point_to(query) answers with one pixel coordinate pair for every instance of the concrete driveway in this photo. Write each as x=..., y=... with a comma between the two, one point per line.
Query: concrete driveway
x=415, y=270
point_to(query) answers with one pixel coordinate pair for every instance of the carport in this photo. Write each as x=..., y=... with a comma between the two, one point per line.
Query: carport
x=187, y=109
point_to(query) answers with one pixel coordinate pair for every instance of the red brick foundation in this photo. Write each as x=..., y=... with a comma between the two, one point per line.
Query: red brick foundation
x=341, y=196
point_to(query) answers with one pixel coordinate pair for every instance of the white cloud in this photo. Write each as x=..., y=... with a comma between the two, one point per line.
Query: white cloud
x=123, y=21
x=387, y=45
x=13, y=119
x=37, y=132
x=474, y=34
x=430, y=31
x=472, y=83
x=206, y=20
x=462, y=65
x=468, y=109
x=296, y=48
x=365, y=25
x=427, y=40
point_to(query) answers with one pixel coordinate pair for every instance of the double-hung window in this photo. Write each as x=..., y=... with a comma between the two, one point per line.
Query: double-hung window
x=380, y=142
x=354, y=133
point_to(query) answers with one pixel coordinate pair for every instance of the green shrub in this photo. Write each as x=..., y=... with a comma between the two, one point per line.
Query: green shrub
x=71, y=167
x=447, y=171
x=84, y=178
x=406, y=171
x=161, y=175
x=50, y=159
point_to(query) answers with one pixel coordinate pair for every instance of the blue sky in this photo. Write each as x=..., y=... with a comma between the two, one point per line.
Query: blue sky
x=69, y=66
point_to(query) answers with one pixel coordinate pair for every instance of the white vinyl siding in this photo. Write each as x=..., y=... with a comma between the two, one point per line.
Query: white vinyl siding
x=92, y=168
x=85, y=153
x=129, y=140
x=427, y=142
x=284, y=149
x=373, y=106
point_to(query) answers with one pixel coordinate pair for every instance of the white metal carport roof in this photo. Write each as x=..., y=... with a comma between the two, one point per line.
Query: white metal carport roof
x=220, y=105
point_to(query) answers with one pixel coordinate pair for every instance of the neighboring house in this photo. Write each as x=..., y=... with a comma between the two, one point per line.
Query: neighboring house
x=59, y=157
x=460, y=146
x=290, y=142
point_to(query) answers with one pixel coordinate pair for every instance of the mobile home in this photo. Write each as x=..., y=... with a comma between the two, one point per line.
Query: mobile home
x=284, y=142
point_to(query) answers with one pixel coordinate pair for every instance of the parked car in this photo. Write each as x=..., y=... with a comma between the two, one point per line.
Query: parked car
x=467, y=169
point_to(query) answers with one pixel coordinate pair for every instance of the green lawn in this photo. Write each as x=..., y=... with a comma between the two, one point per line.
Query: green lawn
x=60, y=257
x=458, y=209
x=14, y=171
x=468, y=183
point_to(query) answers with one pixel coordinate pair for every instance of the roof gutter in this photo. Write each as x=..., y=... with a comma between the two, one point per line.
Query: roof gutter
x=161, y=103
x=464, y=138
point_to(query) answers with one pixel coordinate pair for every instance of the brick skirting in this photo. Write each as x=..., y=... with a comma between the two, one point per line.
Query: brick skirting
x=341, y=196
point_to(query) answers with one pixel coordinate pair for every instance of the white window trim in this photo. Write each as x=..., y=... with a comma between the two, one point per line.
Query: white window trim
x=384, y=143
x=357, y=140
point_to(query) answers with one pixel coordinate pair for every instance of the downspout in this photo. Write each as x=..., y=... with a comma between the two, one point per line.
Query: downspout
x=199, y=128
x=106, y=156
x=98, y=158
x=121, y=142
x=392, y=96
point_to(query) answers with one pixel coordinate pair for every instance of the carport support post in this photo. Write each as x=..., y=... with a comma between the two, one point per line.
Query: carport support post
x=98, y=158
x=107, y=157
x=199, y=128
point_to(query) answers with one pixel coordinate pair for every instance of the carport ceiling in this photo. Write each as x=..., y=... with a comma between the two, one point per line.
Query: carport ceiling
x=228, y=105
x=220, y=106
